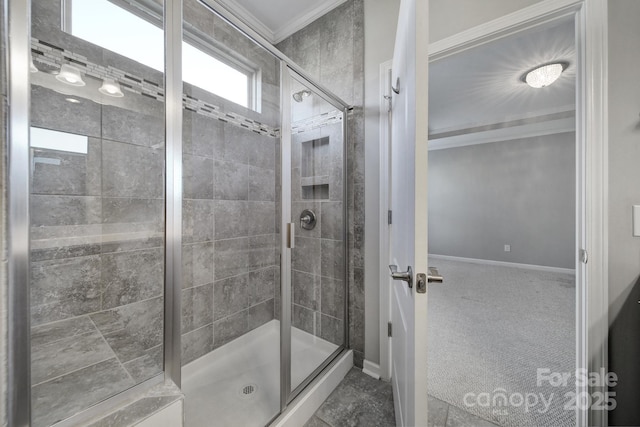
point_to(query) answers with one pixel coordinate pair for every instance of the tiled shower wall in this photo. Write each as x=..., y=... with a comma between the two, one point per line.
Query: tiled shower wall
x=230, y=265
x=318, y=263
x=331, y=50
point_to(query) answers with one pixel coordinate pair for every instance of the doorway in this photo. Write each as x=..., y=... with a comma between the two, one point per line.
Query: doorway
x=591, y=141
x=502, y=231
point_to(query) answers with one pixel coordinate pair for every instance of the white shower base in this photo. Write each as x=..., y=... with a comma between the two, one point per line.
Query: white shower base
x=213, y=384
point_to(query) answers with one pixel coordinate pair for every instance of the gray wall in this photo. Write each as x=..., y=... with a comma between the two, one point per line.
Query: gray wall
x=520, y=193
x=624, y=191
x=331, y=50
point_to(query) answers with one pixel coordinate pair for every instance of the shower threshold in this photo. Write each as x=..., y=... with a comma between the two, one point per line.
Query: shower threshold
x=238, y=384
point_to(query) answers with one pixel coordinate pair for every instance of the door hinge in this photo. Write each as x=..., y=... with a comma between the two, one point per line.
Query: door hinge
x=389, y=103
x=389, y=329
x=389, y=216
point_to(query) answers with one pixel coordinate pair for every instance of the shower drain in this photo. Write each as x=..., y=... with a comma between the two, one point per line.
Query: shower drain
x=248, y=390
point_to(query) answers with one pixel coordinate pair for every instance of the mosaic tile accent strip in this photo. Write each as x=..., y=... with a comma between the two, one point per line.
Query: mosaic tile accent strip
x=53, y=57
x=316, y=122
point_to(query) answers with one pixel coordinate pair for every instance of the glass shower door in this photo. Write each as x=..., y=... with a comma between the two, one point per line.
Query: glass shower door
x=230, y=327
x=318, y=285
x=97, y=205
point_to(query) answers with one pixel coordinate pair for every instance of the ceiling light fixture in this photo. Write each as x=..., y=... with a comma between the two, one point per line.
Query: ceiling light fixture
x=544, y=75
x=111, y=87
x=70, y=75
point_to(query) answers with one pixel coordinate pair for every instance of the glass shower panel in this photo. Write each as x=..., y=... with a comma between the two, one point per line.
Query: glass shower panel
x=231, y=267
x=97, y=203
x=318, y=258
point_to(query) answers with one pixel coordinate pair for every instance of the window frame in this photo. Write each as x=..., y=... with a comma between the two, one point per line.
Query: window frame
x=152, y=12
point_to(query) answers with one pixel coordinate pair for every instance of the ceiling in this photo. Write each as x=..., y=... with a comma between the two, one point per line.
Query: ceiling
x=477, y=95
x=276, y=20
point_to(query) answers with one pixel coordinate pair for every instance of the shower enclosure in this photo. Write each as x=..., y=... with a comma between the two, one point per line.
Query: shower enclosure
x=185, y=216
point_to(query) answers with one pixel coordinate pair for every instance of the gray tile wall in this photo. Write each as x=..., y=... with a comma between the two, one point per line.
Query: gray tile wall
x=318, y=264
x=230, y=263
x=97, y=269
x=229, y=233
x=331, y=50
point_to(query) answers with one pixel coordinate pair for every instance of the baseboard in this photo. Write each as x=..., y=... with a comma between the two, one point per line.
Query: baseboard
x=371, y=369
x=504, y=264
x=304, y=406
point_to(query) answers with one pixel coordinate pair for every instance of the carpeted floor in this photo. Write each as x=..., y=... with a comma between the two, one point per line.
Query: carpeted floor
x=491, y=328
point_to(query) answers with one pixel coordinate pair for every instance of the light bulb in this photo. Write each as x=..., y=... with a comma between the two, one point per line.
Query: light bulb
x=544, y=75
x=70, y=75
x=111, y=88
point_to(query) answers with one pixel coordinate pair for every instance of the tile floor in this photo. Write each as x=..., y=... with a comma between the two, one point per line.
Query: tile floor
x=360, y=400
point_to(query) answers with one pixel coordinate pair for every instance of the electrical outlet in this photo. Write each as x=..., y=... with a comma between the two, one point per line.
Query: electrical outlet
x=507, y=248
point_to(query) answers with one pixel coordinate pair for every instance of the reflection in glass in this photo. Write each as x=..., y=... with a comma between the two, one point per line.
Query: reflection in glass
x=97, y=220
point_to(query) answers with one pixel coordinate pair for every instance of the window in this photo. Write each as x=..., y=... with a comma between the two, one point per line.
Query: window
x=105, y=24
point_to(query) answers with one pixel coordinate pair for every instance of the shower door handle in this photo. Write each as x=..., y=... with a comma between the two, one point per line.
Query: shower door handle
x=291, y=235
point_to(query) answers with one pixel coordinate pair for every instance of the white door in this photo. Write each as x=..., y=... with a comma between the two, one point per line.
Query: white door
x=408, y=244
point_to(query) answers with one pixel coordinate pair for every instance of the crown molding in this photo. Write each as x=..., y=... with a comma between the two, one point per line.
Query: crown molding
x=250, y=19
x=531, y=16
x=550, y=127
x=304, y=20
x=276, y=36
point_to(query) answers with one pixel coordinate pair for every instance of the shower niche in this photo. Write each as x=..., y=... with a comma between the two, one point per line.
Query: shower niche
x=314, y=169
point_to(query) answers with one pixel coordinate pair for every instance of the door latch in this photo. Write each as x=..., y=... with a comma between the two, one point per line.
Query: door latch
x=421, y=283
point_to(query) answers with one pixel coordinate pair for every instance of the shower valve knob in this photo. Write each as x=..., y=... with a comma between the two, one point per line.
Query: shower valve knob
x=307, y=219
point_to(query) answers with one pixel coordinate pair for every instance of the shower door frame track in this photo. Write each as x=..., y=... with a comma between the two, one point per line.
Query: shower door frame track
x=17, y=36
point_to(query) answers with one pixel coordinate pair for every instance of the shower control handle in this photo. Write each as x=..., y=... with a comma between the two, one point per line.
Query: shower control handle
x=308, y=219
x=405, y=276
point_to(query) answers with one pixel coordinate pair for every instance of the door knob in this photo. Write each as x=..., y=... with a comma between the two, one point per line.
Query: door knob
x=405, y=276
x=422, y=279
x=434, y=276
